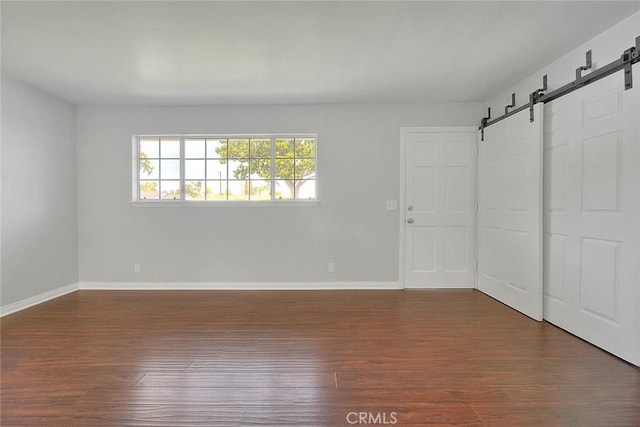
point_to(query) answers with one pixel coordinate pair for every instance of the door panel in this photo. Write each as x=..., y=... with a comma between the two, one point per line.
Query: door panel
x=510, y=212
x=439, y=182
x=592, y=215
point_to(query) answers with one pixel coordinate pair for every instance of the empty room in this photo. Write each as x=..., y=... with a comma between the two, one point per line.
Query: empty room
x=320, y=213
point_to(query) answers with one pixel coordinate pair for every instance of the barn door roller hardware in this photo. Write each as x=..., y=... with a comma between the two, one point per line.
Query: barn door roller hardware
x=483, y=123
x=630, y=57
x=536, y=95
x=625, y=62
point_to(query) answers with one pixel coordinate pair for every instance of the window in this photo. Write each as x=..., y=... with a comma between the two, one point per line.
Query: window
x=225, y=168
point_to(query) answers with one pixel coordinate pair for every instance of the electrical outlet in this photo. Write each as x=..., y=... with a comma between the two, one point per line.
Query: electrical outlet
x=136, y=268
x=392, y=205
x=330, y=267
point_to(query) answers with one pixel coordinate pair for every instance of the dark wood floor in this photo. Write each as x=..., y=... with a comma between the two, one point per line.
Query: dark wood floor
x=303, y=358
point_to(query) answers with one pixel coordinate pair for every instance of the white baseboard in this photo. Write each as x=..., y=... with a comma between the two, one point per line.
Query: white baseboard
x=238, y=286
x=38, y=299
x=184, y=286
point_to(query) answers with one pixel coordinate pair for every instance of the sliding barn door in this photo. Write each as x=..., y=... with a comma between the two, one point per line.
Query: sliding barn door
x=510, y=212
x=592, y=215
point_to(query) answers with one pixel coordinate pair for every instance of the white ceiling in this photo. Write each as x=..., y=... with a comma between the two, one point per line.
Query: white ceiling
x=290, y=52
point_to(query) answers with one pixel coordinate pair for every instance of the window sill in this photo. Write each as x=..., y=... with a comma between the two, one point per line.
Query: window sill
x=222, y=204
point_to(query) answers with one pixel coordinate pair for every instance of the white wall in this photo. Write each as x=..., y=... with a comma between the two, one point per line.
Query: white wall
x=39, y=209
x=358, y=168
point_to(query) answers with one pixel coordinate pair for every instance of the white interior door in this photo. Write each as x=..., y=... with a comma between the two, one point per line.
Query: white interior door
x=592, y=215
x=510, y=212
x=438, y=222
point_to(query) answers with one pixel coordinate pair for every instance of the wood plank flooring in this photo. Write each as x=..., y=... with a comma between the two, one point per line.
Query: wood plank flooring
x=311, y=358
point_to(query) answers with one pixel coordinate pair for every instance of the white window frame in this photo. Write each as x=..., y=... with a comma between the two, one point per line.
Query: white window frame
x=182, y=202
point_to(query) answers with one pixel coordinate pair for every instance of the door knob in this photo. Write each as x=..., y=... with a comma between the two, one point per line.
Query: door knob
x=410, y=220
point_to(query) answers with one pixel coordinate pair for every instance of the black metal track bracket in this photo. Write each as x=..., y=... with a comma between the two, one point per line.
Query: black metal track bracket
x=513, y=104
x=585, y=67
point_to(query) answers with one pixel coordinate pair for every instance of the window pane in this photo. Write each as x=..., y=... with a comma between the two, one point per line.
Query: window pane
x=305, y=168
x=194, y=148
x=306, y=189
x=194, y=169
x=260, y=190
x=149, y=169
x=216, y=190
x=170, y=169
x=216, y=148
x=149, y=148
x=306, y=147
x=238, y=169
x=261, y=148
x=260, y=168
x=149, y=190
x=216, y=170
x=284, y=190
x=194, y=190
x=238, y=148
x=170, y=148
x=284, y=148
x=284, y=168
x=238, y=190
x=170, y=190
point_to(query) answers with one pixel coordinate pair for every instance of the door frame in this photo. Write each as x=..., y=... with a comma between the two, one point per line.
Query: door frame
x=402, y=217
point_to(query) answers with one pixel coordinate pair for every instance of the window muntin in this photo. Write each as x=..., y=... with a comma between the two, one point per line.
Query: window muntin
x=226, y=168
